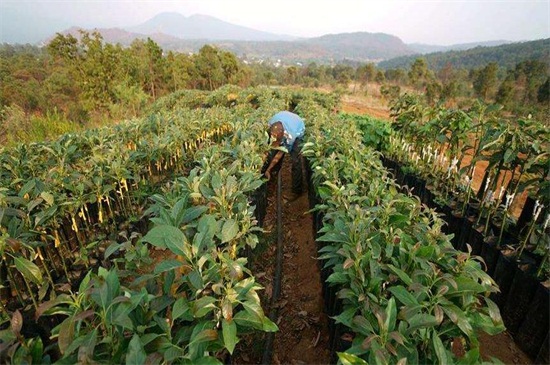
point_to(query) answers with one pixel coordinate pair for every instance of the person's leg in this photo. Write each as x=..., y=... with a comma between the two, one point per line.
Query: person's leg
x=297, y=169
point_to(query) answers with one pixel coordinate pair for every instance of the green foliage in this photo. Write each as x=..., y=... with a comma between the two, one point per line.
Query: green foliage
x=406, y=293
x=376, y=133
x=507, y=56
x=484, y=80
x=19, y=127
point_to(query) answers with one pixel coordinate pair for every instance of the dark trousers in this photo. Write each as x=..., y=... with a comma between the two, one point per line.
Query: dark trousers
x=297, y=166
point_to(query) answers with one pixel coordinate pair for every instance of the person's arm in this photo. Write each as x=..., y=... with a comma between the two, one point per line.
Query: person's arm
x=274, y=161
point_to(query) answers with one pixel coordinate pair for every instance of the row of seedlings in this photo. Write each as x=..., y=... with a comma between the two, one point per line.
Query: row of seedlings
x=400, y=292
x=502, y=217
x=60, y=200
x=198, y=298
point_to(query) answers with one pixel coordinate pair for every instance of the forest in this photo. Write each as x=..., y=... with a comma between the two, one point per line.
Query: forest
x=72, y=84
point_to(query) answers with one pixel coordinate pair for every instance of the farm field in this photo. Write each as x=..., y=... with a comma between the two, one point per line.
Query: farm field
x=155, y=240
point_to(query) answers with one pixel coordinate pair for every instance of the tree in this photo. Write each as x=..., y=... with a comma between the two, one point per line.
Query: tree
x=433, y=89
x=418, y=72
x=396, y=75
x=94, y=64
x=365, y=74
x=209, y=68
x=148, y=66
x=485, y=80
x=505, y=93
x=543, y=95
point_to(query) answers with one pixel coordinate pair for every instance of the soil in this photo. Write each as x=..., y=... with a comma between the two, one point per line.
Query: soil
x=303, y=325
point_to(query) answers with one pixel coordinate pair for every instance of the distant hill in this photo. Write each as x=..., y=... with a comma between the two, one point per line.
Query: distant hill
x=359, y=47
x=173, y=31
x=430, y=48
x=202, y=27
x=507, y=56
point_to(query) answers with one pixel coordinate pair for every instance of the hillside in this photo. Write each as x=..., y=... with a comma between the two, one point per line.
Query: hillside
x=507, y=56
x=430, y=48
x=202, y=27
x=360, y=47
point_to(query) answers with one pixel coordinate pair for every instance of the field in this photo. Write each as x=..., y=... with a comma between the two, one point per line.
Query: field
x=155, y=240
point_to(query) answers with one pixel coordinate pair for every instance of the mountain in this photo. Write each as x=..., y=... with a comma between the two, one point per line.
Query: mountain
x=173, y=31
x=202, y=27
x=506, y=56
x=430, y=48
x=361, y=45
x=357, y=47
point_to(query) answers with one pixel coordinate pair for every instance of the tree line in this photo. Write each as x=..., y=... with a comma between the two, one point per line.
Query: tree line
x=78, y=82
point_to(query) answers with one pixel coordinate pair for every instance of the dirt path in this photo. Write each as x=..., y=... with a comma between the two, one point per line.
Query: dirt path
x=303, y=328
x=303, y=336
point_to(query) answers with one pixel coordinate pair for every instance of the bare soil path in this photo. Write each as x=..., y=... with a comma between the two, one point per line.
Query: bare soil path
x=303, y=328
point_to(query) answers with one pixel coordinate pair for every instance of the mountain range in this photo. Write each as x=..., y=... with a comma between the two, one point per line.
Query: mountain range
x=173, y=31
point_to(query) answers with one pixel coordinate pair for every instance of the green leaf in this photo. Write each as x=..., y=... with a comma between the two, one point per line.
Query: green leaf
x=346, y=317
x=458, y=316
x=66, y=334
x=203, y=306
x=338, y=277
x=195, y=279
x=402, y=275
x=229, y=330
x=268, y=325
x=230, y=229
x=494, y=312
x=28, y=269
x=362, y=325
x=333, y=237
x=167, y=266
x=199, y=338
x=87, y=347
x=248, y=319
x=439, y=349
x=350, y=359
x=403, y=295
x=391, y=315
x=136, y=354
x=207, y=360
x=114, y=247
x=36, y=349
x=208, y=225
x=421, y=320
x=48, y=197
x=193, y=213
x=165, y=236
x=181, y=309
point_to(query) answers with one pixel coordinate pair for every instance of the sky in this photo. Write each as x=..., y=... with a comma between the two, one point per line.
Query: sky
x=437, y=22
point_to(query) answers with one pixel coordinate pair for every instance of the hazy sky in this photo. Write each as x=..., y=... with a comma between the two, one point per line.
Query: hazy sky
x=441, y=22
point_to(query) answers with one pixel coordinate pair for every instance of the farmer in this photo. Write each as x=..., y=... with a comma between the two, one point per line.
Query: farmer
x=286, y=129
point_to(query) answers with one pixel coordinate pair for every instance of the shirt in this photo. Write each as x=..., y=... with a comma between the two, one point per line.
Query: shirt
x=293, y=125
